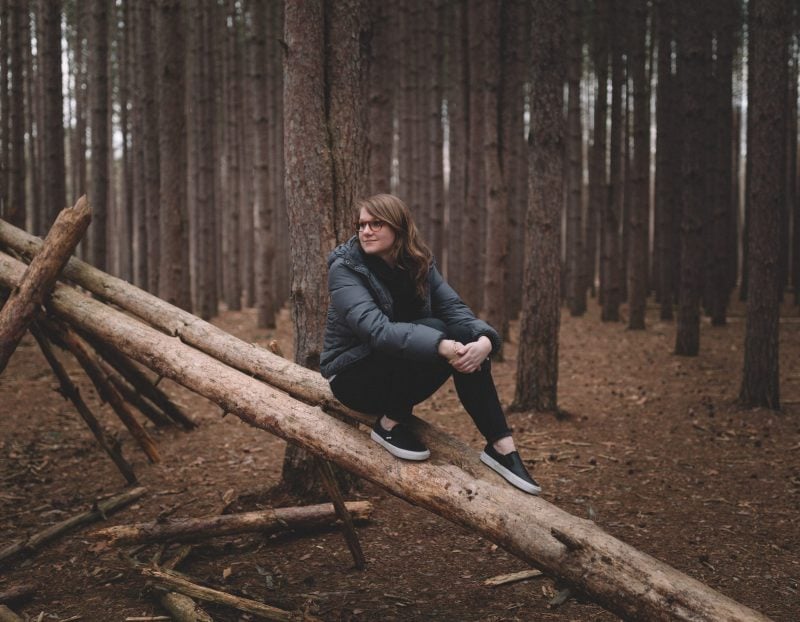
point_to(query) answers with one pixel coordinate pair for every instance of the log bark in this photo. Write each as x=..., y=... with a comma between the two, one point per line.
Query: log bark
x=7, y=615
x=71, y=392
x=99, y=511
x=183, y=609
x=265, y=521
x=617, y=576
x=21, y=306
x=180, y=584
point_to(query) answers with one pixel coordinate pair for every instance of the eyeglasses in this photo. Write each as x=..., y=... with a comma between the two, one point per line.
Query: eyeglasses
x=374, y=226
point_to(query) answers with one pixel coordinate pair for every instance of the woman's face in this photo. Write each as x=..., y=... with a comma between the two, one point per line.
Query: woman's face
x=376, y=236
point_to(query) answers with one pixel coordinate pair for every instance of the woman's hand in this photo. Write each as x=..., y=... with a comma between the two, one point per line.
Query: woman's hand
x=448, y=349
x=470, y=356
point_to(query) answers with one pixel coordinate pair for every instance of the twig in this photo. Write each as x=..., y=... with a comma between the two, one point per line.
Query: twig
x=514, y=577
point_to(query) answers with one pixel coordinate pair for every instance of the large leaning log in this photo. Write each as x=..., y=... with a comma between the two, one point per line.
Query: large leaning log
x=626, y=581
x=41, y=275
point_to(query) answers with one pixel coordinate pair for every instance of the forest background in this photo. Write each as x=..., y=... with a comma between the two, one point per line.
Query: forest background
x=554, y=153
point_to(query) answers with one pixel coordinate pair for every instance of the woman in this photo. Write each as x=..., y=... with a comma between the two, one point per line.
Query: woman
x=396, y=331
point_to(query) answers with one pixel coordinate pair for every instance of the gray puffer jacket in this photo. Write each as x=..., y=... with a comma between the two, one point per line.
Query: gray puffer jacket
x=360, y=315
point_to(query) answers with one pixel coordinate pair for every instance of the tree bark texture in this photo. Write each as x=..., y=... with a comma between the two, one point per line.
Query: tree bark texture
x=537, y=360
x=760, y=379
x=54, y=171
x=99, y=93
x=173, y=280
x=301, y=518
x=14, y=211
x=576, y=286
x=639, y=218
x=626, y=581
x=22, y=304
x=692, y=36
x=381, y=97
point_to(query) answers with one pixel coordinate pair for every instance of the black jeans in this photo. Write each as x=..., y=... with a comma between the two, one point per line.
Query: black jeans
x=391, y=386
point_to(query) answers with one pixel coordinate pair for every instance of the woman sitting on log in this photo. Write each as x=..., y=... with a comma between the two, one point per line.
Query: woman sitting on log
x=395, y=333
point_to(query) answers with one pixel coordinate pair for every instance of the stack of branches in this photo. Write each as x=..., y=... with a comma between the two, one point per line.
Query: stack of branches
x=273, y=394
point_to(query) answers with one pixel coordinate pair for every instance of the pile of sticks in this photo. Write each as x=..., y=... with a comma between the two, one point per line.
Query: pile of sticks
x=273, y=394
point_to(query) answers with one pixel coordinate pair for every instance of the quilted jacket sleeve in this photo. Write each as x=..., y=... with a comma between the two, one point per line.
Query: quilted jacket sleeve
x=355, y=304
x=448, y=307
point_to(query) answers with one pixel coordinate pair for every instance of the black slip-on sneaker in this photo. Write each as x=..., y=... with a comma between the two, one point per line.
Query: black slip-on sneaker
x=399, y=441
x=511, y=467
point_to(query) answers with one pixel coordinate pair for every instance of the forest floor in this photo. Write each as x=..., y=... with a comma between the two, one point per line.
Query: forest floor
x=654, y=449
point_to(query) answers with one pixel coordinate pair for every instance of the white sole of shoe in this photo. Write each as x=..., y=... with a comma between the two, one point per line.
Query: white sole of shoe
x=511, y=478
x=405, y=454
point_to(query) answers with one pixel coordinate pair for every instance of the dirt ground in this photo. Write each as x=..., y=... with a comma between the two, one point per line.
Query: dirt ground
x=654, y=450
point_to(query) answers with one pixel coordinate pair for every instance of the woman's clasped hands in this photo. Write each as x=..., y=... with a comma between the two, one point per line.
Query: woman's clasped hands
x=465, y=358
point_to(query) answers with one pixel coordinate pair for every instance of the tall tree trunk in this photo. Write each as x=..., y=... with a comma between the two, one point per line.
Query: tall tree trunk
x=494, y=280
x=767, y=118
x=148, y=84
x=54, y=173
x=173, y=281
x=435, y=96
x=537, y=361
x=692, y=39
x=598, y=167
x=576, y=290
x=265, y=237
x=141, y=258
x=665, y=183
x=325, y=173
x=471, y=238
x=98, y=92
x=640, y=176
x=610, y=278
x=31, y=121
x=457, y=121
x=381, y=94
x=514, y=62
x=124, y=251
x=15, y=210
x=5, y=104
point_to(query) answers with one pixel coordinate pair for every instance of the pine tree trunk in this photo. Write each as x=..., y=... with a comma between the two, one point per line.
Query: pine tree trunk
x=148, y=89
x=692, y=36
x=15, y=210
x=435, y=96
x=173, y=281
x=457, y=119
x=124, y=251
x=610, y=278
x=54, y=172
x=265, y=237
x=640, y=176
x=139, y=224
x=598, y=168
x=98, y=93
x=5, y=104
x=576, y=291
x=766, y=121
x=31, y=120
x=381, y=98
x=537, y=360
x=494, y=281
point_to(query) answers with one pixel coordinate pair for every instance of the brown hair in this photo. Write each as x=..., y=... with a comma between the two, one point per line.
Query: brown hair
x=408, y=249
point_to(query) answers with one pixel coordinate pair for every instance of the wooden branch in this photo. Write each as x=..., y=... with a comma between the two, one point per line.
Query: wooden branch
x=131, y=396
x=141, y=383
x=265, y=521
x=107, y=392
x=178, y=583
x=98, y=512
x=183, y=609
x=29, y=294
x=70, y=391
x=514, y=577
x=342, y=511
x=615, y=575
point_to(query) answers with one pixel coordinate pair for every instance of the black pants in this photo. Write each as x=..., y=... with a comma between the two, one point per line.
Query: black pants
x=391, y=386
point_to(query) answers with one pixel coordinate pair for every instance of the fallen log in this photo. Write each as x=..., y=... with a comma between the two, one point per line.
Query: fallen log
x=183, y=609
x=617, y=576
x=98, y=512
x=265, y=521
x=41, y=275
x=178, y=583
